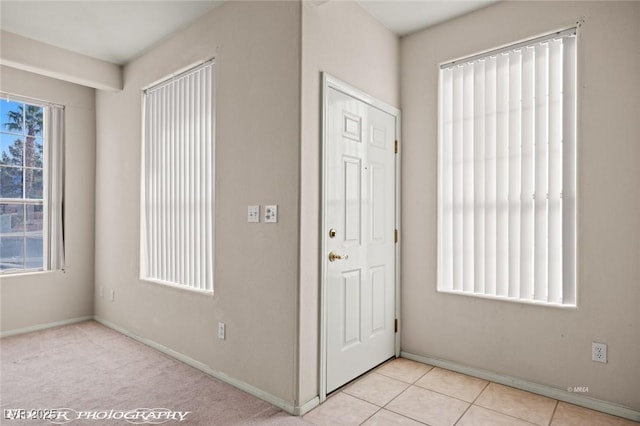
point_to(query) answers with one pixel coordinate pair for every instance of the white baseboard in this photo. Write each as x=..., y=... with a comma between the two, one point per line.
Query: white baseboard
x=258, y=393
x=548, y=391
x=39, y=327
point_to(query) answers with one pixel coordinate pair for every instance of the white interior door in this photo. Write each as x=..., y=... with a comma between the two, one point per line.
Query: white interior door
x=359, y=235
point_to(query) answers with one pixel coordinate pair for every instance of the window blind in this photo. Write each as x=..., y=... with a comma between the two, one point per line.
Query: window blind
x=507, y=172
x=178, y=184
x=54, y=188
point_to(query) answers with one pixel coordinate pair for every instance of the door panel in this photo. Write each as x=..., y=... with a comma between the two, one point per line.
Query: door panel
x=351, y=308
x=378, y=200
x=359, y=204
x=352, y=199
x=378, y=300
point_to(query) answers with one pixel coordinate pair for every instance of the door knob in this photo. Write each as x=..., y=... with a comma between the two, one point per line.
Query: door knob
x=333, y=257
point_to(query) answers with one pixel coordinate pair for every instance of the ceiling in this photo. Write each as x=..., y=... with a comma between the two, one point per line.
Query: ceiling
x=406, y=16
x=118, y=31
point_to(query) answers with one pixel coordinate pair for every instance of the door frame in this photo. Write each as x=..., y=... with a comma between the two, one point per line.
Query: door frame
x=330, y=82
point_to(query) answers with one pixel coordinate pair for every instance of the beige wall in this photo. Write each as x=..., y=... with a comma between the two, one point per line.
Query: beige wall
x=256, y=46
x=31, y=300
x=51, y=61
x=542, y=345
x=342, y=39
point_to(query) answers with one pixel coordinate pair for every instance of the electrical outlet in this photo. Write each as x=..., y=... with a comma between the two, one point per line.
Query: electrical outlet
x=113, y=295
x=221, y=330
x=271, y=214
x=599, y=352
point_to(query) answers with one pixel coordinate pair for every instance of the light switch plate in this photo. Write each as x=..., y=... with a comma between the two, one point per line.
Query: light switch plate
x=271, y=214
x=253, y=214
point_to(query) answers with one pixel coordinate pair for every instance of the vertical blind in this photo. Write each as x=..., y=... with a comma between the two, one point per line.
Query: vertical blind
x=178, y=180
x=507, y=172
x=54, y=187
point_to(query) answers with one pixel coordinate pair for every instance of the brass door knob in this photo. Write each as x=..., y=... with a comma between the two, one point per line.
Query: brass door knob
x=333, y=257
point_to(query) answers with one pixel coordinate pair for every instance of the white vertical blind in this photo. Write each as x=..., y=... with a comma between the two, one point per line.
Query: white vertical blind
x=502, y=175
x=54, y=187
x=490, y=177
x=177, y=184
x=507, y=173
x=479, y=176
x=569, y=173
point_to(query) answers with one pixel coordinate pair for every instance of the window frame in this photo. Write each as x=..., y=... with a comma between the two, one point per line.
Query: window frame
x=146, y=267
x=568, y=217
x=52, y=197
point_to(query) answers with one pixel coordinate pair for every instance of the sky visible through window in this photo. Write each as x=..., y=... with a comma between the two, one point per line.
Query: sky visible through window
x=21, y=186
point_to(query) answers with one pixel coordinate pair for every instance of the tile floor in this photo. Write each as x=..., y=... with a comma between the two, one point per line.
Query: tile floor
x=403, y=392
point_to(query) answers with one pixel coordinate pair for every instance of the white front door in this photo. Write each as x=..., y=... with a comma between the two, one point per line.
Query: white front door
x=359, y=233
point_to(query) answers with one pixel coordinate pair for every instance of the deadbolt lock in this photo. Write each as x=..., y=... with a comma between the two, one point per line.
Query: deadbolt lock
x=332, y=233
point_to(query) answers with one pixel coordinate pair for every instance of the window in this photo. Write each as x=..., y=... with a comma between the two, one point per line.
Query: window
x=507, y=173
x=31, y=186
x=177, y=181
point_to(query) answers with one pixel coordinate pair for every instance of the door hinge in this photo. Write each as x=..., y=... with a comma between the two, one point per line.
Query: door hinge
x=395, y=235
x=395, y=325
x=395, y=146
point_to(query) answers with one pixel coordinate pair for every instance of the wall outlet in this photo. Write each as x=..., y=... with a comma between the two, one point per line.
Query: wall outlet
x=599, y=352
x=113, y=295
x=221, y=330
x=271, y=214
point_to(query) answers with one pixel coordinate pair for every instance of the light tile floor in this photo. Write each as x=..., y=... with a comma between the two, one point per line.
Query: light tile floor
x=403, y=392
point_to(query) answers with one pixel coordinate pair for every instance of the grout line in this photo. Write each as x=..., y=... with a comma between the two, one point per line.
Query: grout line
x=480, y=393
x=362, y=399
x=407, y=417
x=396, y=397
x=496, y=411
x=425, y=373
x=463, y=414
x=376, y=370
x=367, y=419
x=473, y=403
x=444, y=394
x=451, y=396
x=555, y=408
x=400, y=380
x=506, y=415
x=513, y=416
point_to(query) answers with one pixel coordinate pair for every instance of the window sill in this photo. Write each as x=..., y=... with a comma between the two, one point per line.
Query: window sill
x=511, y=299
x=177, y=286
x=29, y=272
